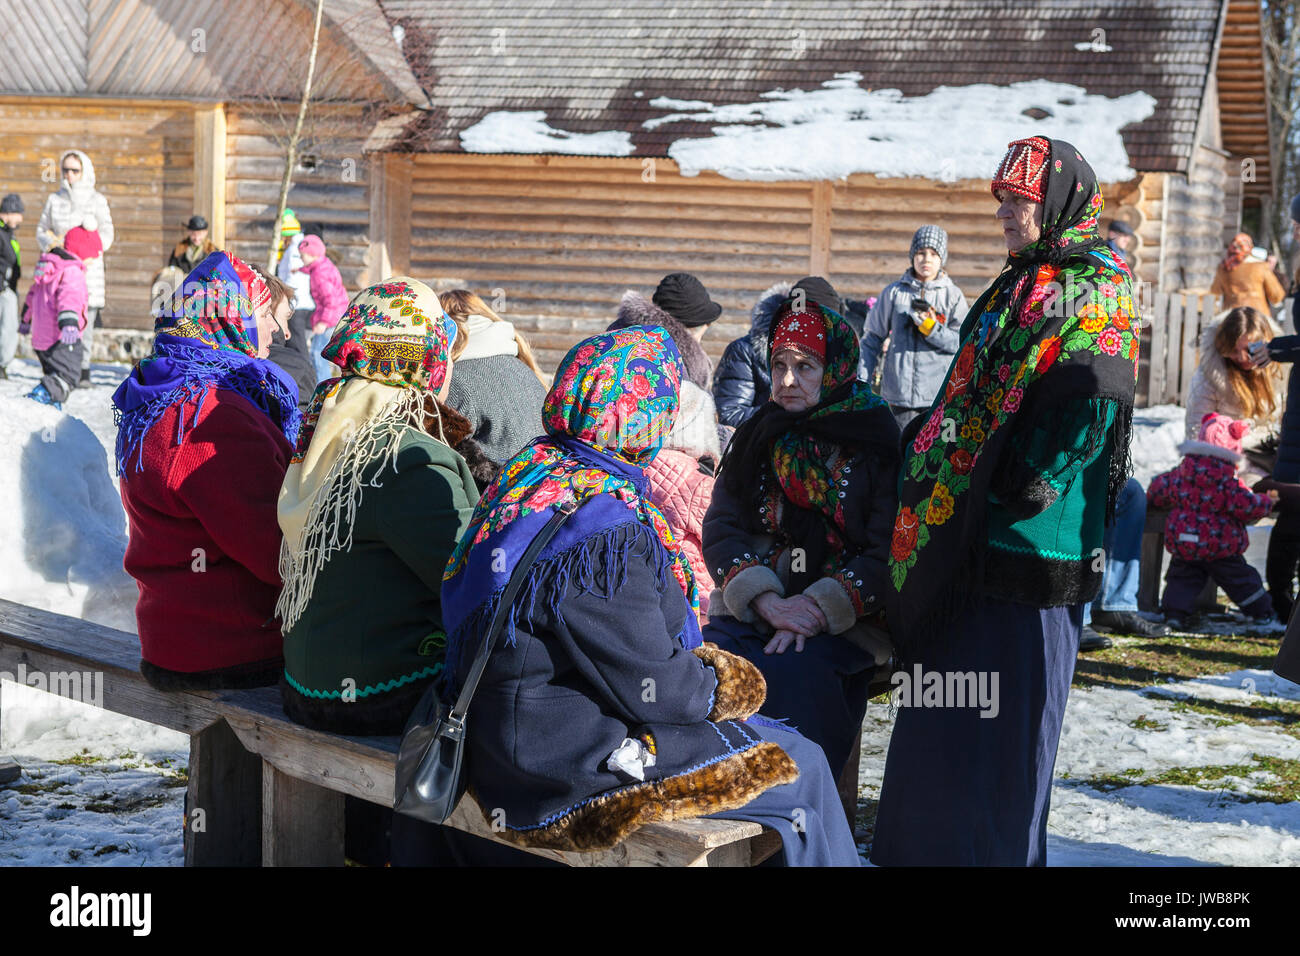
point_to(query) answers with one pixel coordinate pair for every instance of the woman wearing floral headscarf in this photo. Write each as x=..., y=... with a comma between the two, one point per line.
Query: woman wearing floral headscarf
x=206, y=427
x=600, y=709
x=372, y=505
x=997, y=544
x=798, y=530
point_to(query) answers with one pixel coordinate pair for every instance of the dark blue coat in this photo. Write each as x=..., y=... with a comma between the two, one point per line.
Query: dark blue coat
x=1286, y=348
x=595, y=660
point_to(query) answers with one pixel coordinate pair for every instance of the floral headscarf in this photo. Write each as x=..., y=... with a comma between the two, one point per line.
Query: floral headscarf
x=392, y=345
x=612, y=406
x=779, y=454
x=205, y=337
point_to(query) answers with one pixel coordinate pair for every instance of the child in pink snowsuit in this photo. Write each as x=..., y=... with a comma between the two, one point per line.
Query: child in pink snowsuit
x=55, y=314
x=1205, y=532
x=328, y=293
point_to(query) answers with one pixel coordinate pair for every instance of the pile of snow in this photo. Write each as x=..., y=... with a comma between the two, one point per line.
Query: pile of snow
x=507, y=131
x=62, y=527
x=951, y=133
x=1157, y=433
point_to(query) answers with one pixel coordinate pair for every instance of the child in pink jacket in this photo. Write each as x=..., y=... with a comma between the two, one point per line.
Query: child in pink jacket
x=55, y=314
x=1205, y=532
x=328, y=293
x=681, y=478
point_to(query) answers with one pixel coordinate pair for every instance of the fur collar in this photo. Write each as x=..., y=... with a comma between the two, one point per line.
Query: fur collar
x=763, y=314
x=636, y=309
x=1207, y=450
x=695, y=431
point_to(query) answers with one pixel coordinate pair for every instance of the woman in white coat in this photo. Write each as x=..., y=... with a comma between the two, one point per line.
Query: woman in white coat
x=78, y=203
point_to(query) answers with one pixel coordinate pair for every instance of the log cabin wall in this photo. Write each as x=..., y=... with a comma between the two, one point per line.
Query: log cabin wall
x=334, y=193
x=552, y=242
x=1194, y=224
x=555, y=241
x=143, y=157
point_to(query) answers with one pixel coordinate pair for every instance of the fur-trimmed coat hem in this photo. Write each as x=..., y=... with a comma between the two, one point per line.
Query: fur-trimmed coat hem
x=610, y=818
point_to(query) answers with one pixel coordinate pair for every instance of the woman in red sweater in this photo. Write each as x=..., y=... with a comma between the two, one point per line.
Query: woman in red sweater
x=206, y=427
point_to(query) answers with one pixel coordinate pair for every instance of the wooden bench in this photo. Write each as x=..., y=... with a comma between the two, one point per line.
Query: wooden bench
x=271, y=792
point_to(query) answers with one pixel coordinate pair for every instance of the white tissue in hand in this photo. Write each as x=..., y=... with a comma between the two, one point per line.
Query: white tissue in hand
x=90, y=223
x=631, y=757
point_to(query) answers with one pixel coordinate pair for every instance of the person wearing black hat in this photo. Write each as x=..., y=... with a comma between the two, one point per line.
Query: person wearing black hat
x=682, y=306
x=194, y=247
x=1119, y=236
x=684, y=297
x=11, y=217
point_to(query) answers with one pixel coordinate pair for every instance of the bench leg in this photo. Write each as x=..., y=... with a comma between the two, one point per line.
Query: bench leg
x=223, y=804
x=1152, y=561
x=302, y=824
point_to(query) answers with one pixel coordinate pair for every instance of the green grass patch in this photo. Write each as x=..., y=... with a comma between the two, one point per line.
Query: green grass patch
x=1282, y=785
x=1143, y=722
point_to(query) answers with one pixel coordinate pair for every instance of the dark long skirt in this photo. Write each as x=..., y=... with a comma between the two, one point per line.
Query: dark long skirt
x=808, y=813
x=961, y=789
x=821, y=691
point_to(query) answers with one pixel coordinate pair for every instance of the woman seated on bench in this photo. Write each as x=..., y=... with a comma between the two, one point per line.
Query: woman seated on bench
x=371, y=508
x=798, y=531
x=600, y=709
x=205, y=430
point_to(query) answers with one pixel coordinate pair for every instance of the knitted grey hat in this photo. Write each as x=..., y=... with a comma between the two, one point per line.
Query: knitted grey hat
x=12, y=203
x=930, y=237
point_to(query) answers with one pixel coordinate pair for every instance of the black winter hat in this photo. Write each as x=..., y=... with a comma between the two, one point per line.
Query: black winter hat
x=1120, y=226
x=816, y=289
x=12, y=203
x=684, y=297
x=196, y=222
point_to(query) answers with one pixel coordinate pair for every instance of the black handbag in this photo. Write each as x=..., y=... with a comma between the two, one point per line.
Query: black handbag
x=430, y=763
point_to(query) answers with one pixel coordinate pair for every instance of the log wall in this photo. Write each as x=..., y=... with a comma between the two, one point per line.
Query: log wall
x=144, y=166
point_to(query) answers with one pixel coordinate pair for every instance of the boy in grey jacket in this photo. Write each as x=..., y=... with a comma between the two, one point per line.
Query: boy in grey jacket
x=920, y=314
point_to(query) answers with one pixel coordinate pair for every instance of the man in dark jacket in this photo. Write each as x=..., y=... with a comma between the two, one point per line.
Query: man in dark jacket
x=11, y=217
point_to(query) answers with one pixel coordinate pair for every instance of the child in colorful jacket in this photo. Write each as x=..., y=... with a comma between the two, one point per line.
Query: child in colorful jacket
x=1205, y=532
x=329, y=296
x=55, y=314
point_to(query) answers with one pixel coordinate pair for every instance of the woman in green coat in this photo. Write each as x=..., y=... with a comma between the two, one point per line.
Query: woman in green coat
x=371, y=508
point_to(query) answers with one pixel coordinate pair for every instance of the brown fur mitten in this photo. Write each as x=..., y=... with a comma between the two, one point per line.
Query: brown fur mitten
x=741, y=687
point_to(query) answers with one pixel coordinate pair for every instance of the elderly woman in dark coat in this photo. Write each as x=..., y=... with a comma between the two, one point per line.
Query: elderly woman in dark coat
x=601, y=709
x=798, y=532
x=1006, y=488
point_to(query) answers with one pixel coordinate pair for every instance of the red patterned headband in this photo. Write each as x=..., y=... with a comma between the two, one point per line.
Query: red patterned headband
x=802, y=331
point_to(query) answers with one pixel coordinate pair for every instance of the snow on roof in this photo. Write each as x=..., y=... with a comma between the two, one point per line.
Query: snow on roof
x=506, y=131
x=953, y=132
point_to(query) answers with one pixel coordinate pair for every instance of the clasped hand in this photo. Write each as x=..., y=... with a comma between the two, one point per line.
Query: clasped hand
x=793, y=619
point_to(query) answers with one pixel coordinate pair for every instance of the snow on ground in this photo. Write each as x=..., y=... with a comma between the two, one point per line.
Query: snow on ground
x=506, y=131
x=101, y=789
x=889, y=134
x=62, y=527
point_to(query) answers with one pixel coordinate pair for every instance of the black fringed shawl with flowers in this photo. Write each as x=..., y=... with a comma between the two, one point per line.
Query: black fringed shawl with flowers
x=794, y=448
x=1057, y=326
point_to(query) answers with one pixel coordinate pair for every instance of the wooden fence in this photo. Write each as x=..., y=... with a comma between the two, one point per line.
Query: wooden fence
x=1172, y=326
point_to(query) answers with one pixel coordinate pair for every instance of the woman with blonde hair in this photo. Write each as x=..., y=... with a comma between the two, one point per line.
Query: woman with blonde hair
x=1229, y=381
x=498, y=385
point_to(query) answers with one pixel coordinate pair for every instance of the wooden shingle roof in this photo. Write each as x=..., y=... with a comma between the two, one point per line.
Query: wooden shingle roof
x=595, y=65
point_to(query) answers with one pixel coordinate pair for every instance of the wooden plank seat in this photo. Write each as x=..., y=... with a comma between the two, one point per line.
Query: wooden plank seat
x=263, y=789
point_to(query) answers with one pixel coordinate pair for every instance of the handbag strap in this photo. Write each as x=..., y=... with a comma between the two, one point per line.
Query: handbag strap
x=563, y=511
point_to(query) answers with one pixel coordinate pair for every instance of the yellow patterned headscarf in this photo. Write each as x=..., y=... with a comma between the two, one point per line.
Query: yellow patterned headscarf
x=392, y=346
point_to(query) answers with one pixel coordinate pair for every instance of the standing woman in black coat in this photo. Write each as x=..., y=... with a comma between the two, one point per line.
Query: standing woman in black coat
x=798, y=531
